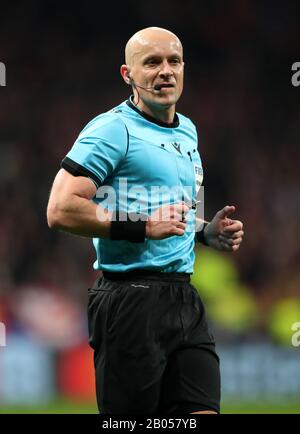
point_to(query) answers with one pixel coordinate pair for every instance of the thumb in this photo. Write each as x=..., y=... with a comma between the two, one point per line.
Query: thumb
x=227, y=210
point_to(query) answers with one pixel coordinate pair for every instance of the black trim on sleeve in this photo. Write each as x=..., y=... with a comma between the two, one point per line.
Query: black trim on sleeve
x=77, y=170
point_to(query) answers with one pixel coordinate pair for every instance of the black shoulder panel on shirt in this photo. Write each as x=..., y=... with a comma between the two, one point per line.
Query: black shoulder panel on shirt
x=77, y=170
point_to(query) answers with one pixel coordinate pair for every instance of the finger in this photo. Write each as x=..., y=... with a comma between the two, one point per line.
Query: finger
x=178, y=216
x=228, y=222
x=181, y=207
x=179, y=224
x=238, y=234
x=227, y=210
x=177, y=231
x=225, y=246
x=181, y=215
x=185, y=207
x=234, y=227
x=228, y=235
x=238, y=241
x=230, y=241
x=227, y=241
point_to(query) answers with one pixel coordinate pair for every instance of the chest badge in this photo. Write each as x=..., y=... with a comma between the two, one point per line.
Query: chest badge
x=198, y=176
x=177, y=147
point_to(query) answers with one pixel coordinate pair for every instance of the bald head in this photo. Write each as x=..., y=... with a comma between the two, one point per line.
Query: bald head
x=151, y=37
x=154, y=69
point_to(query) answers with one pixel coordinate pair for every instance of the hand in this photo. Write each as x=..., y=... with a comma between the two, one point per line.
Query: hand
x=167, y=221
x=224, y=234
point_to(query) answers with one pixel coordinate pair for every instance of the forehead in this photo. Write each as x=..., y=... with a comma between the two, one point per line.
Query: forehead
x=163, y=48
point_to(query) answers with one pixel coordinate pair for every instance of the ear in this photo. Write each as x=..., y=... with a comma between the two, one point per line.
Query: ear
x=125, y=72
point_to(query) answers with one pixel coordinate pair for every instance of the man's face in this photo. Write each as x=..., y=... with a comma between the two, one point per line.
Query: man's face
x=158, y=63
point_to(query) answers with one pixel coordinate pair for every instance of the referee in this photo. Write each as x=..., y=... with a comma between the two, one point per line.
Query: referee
x=153, y=351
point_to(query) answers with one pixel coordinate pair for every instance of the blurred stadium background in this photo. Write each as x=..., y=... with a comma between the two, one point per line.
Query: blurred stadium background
x=62, y=64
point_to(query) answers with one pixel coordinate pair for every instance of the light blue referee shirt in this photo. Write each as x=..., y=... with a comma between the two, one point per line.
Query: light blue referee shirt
x=138, y=164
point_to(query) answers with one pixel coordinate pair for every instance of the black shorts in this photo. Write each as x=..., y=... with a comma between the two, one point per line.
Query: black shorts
x=153, y=351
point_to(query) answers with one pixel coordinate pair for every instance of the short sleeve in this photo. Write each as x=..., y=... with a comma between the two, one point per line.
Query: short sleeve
x=99, y=148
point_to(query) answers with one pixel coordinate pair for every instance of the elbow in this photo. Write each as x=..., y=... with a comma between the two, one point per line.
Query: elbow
x=54, y=218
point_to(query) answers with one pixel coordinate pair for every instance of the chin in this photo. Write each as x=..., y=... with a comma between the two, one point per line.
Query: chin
x=167, y=101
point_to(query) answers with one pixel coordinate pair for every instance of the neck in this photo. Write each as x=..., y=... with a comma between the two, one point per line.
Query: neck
x=162, y=113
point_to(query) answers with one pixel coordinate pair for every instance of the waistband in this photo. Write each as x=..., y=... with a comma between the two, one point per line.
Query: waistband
x=147, y=275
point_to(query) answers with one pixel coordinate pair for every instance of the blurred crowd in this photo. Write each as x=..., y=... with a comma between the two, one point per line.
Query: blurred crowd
x=62, y=64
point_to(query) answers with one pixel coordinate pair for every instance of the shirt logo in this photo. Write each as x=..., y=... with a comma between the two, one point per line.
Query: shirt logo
x=198, y=176
x=177, y=147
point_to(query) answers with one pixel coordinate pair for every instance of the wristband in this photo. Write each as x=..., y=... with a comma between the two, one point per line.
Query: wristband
x=200, y=235
x=129, y=227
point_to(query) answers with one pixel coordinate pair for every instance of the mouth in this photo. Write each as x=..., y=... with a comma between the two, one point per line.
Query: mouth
x=163, y=86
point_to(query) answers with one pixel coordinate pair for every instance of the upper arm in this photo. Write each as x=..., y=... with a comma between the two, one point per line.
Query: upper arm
x=99, y=148
x=66, y=186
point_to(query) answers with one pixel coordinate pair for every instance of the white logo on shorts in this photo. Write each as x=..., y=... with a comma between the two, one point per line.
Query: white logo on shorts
x=139, y=286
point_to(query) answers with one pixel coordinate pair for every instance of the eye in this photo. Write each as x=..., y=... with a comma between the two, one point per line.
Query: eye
x=151, y=61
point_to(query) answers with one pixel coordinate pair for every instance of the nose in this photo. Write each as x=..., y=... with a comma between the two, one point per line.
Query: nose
x=165, y=70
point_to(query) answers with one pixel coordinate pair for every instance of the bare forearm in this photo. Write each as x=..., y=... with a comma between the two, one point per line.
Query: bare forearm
x=79, y=216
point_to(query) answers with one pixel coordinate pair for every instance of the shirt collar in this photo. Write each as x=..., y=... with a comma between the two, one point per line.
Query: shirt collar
x=149, y=118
